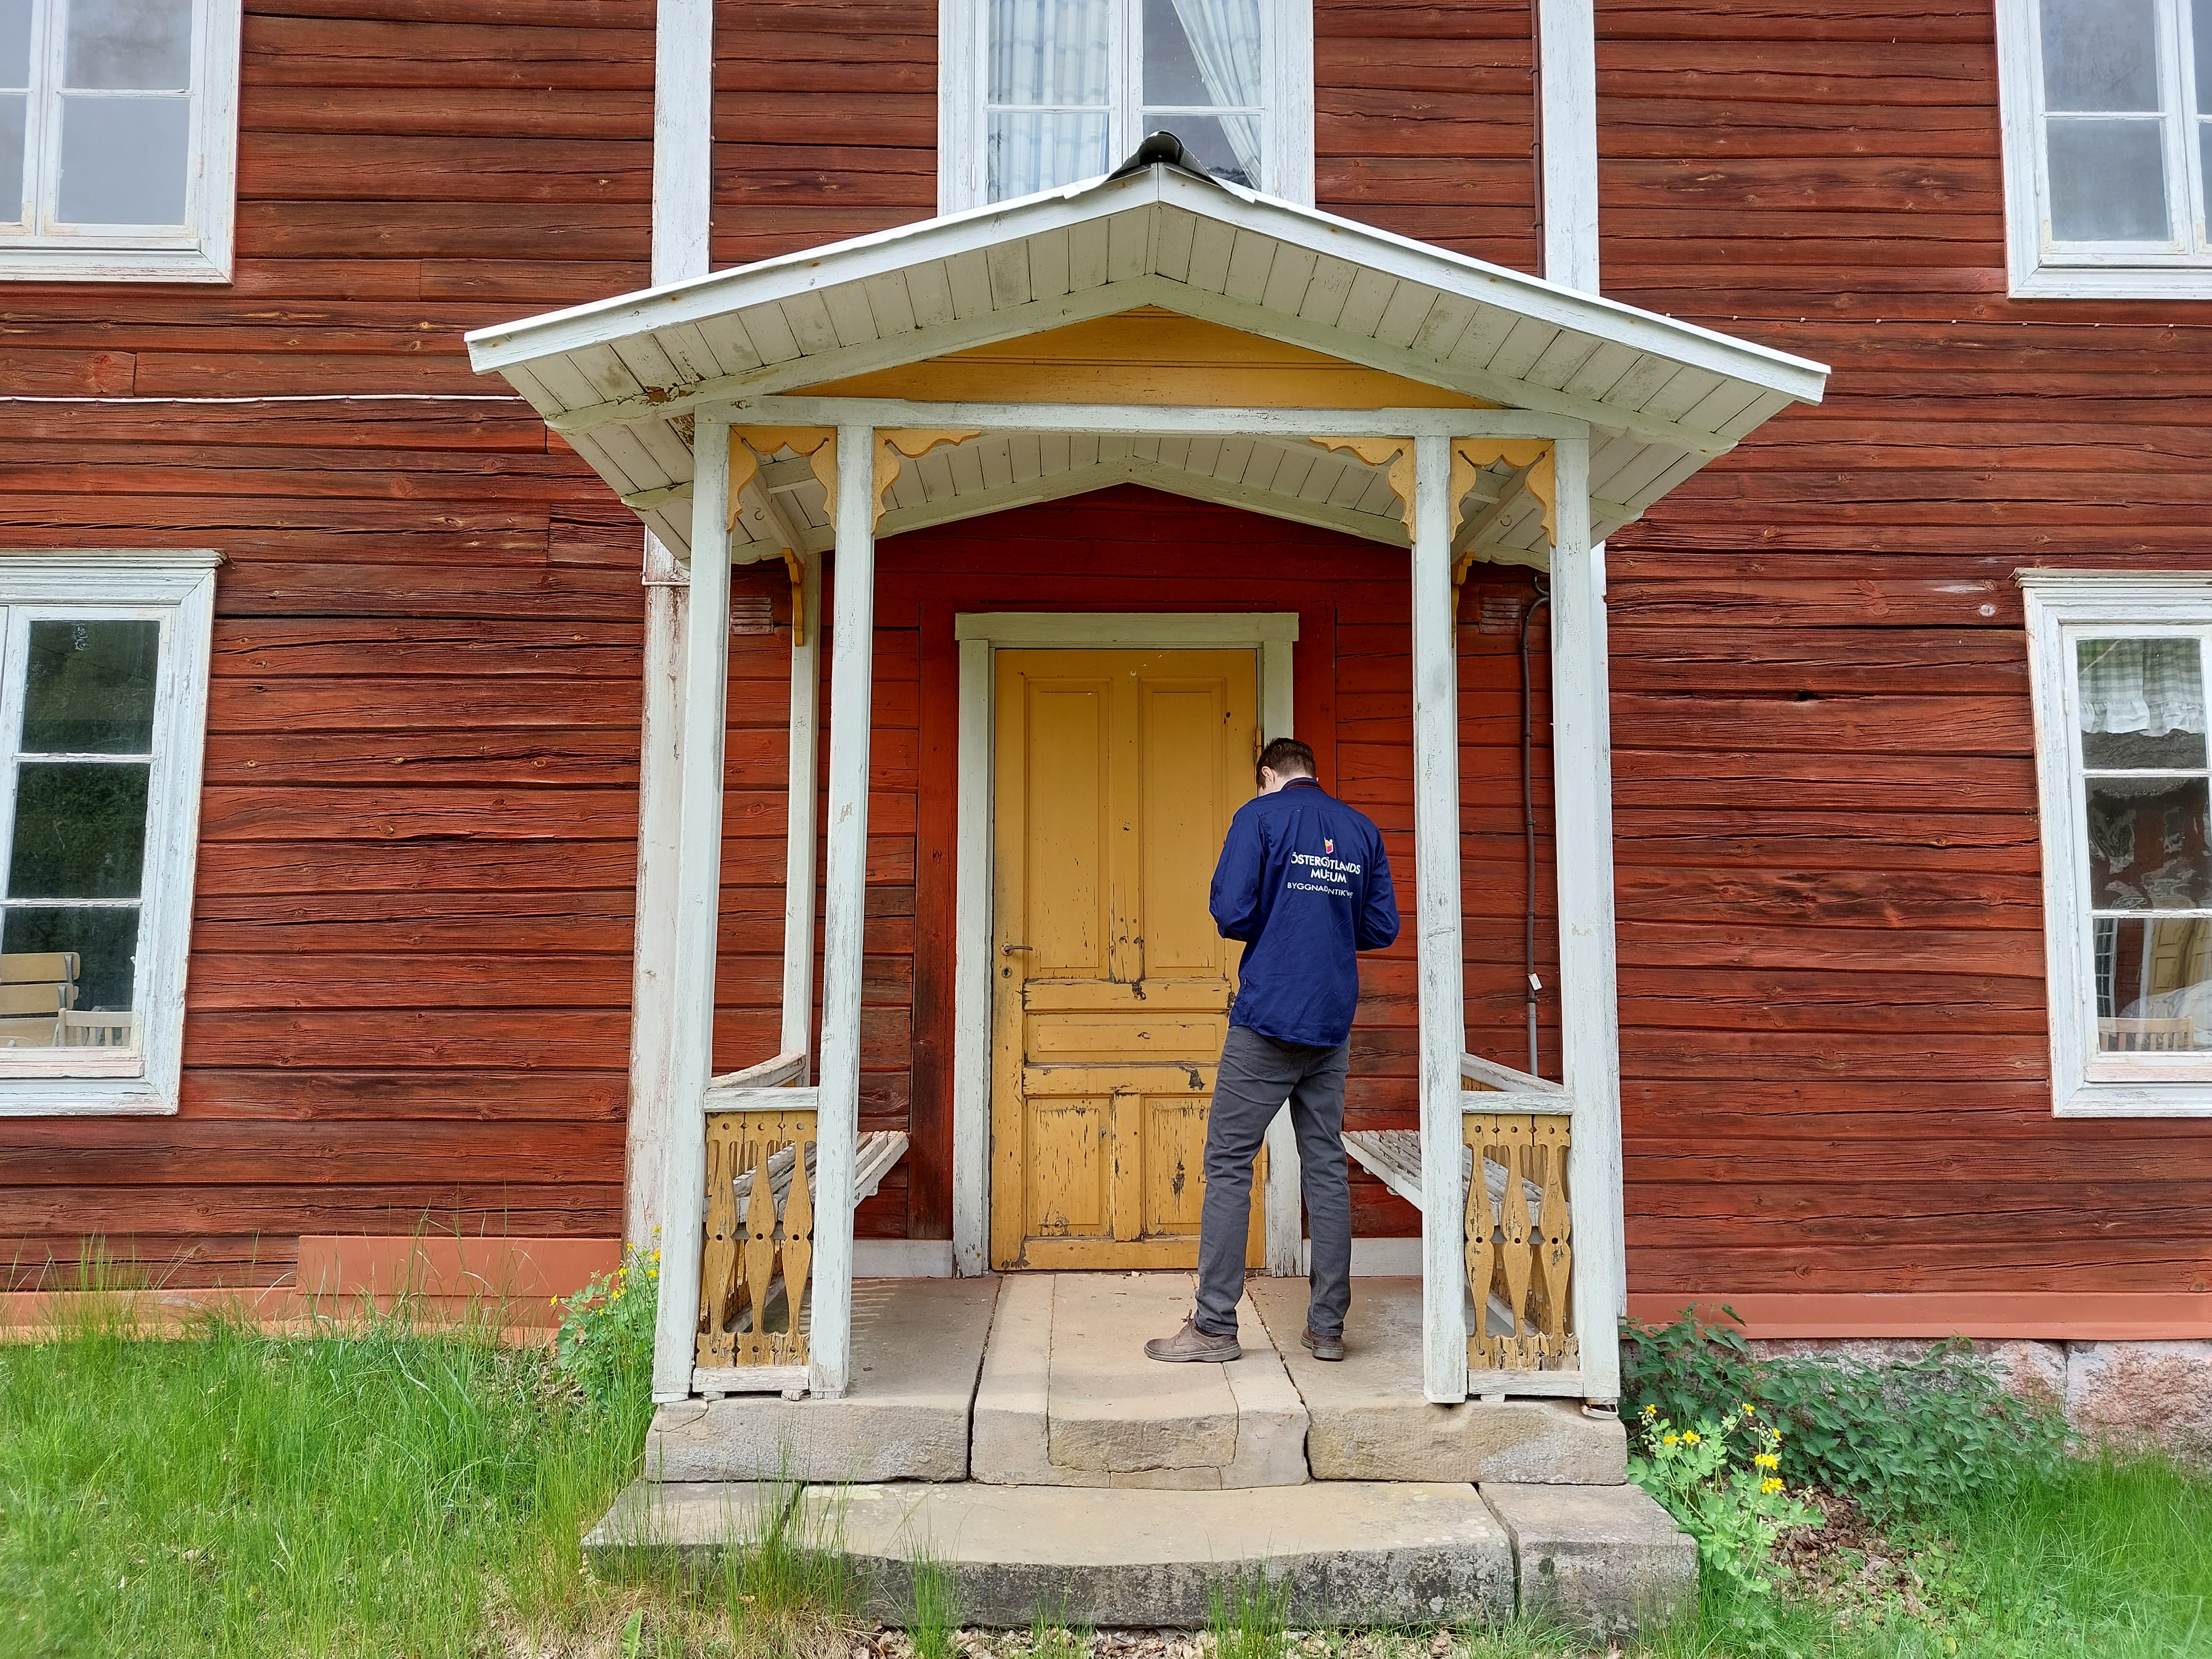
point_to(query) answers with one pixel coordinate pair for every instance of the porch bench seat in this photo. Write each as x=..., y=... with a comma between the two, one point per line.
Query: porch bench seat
x=1393, y=1157
x=878, y=1153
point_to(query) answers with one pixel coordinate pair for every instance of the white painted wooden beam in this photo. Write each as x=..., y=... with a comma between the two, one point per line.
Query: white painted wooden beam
x=1284, y=1259
x=798, y=1037
x=852, y=668
x=682, y=137
x=1589, y=1014
x=1155, y=419
x=971, y=968
x=1566, y=79
x=653, y=962
x=698, y=907
x=1437, y=925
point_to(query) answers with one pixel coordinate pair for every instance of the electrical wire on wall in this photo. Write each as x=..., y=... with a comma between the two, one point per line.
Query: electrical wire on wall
x=1532, y=987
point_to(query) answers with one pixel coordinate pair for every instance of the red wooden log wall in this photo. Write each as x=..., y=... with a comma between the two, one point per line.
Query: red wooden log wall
x=410, y=977
x=409, y=983
x=1832, y=1000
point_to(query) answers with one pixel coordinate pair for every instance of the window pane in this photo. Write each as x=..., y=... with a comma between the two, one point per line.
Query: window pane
x=1226, y=146
x=80, y=831
x=2154, y=986
x=1032, y=152
x=89, y=688
x=1202, y=52
x=2099, y=55
x=16, y=44
x=144, y=46
x=106, y=941
x=2142, y=702
x=2108, y=181
x=2202, y=9
x=124, y=161
x=2147, y=848
x=12, y=106
x=1051, y=52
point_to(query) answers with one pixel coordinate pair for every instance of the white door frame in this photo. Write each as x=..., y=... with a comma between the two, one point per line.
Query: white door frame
x=982, y=635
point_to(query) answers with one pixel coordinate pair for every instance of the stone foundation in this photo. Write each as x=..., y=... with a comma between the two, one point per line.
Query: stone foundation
x=2128, y=1395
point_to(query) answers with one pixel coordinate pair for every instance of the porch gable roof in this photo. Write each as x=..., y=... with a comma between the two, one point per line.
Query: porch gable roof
x=619, y=378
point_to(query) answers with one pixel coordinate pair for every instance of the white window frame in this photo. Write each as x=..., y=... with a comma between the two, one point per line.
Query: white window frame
x=1286, y=82
x=2039, y=268
x=201, y=251
x=2061, y=607
x=177, y=589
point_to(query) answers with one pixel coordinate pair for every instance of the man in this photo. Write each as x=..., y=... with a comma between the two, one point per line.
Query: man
x=1303, y=885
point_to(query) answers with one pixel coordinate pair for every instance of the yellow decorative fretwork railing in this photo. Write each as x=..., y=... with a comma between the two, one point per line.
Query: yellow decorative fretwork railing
x=1520, y=1248
x=759, y=1247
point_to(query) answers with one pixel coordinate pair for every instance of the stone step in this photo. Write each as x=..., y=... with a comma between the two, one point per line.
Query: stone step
x=1369, y=1421
x=1068, y=1399
x=1606, y=1560
x=917, y=1344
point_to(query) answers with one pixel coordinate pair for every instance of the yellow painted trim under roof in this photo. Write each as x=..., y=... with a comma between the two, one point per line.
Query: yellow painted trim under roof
x=1147, y=356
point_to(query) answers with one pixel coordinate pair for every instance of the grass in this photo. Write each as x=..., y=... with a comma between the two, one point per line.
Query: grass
x=401, y=1491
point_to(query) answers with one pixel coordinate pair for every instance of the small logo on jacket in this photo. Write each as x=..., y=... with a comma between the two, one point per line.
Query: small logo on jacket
x=1328, y=846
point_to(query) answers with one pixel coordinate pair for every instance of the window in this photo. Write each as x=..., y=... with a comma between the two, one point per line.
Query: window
x=103, y=702
x=2121, y=664
x=2108, y=146
x=117, y=139
x=1037, y=93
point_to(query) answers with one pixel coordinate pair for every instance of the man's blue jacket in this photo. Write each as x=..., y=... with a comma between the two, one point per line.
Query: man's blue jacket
x=1304, y=884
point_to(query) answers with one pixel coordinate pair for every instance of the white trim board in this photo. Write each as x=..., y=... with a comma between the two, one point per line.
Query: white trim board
x=2061, y=607
x=981, y=635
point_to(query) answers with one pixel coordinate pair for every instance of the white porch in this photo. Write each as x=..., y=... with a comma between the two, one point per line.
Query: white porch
x=770, y=412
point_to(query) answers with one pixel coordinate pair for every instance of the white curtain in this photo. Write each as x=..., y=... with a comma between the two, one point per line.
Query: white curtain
x=2150, y=686
x=1052, y=54
x=1225, y=35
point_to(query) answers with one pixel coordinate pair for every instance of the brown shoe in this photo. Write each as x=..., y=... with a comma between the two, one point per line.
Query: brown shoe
x=1191, y=1344
x=1322, y=1347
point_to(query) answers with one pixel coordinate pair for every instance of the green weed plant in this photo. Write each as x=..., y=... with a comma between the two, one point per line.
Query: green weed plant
x=605, y=1342
x=1248, y=1617
x=1900, y=1438
x=1722, y=1480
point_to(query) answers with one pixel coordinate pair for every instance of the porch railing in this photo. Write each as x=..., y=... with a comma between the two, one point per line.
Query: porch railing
x=1520, y=1245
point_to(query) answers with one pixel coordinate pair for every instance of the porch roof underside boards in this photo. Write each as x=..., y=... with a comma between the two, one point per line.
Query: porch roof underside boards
x=620, y=378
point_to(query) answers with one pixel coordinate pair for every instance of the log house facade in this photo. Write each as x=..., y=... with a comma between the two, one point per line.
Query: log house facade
x=410, y=978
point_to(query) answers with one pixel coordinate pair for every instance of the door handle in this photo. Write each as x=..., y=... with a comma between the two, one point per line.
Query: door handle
x=1024, y=948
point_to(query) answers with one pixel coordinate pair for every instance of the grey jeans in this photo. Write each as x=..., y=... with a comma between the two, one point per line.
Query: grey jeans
x=1256, y=1075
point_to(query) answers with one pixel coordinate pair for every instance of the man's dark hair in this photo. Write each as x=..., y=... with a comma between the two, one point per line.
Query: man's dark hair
x=1286, y=757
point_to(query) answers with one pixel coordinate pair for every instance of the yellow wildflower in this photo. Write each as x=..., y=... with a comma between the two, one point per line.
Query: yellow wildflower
x=1767, y=1460
x=1769, y=1484
x=1674, y=1439
x=1691, y=1438
x=1651, y=1411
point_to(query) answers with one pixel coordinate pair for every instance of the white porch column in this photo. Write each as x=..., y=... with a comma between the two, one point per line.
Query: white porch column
x=1284, y=1192
x=682, y=192
x=851, y=661
x=1589, y=1009
x=1436, y=918
x=698, y=906
x=798, y=834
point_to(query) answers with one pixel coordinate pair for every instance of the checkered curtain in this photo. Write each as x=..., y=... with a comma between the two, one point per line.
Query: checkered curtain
x=2151, y=686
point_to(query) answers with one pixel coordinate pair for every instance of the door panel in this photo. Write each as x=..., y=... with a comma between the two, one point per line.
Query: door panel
x=1117, y=773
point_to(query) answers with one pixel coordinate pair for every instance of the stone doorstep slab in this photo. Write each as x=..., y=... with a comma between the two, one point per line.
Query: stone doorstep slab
x=917, y=1346
x=1068, y=1397
x=1369, y=1421
x=689, y=1516
x=1354, y=1554
x=1607, y=1560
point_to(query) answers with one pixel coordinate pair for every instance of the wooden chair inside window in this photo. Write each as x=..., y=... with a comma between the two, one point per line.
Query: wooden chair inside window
x=36, y=988
x=2144, y=1036
x=92, y=1028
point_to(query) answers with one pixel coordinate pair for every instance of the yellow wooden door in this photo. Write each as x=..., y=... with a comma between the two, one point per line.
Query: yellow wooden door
x=1117, y=772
